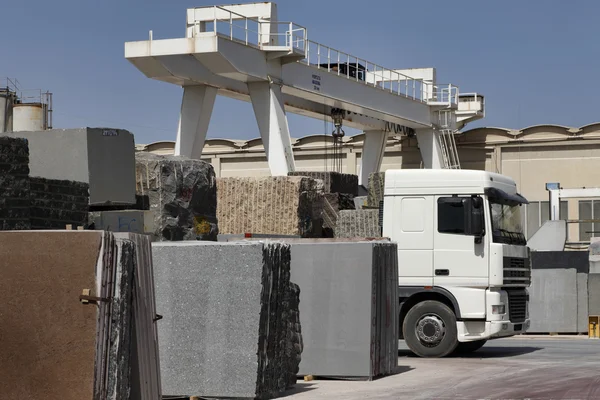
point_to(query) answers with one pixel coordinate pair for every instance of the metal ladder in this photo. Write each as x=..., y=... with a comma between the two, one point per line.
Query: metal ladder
x=449, y=150
x=446, y=138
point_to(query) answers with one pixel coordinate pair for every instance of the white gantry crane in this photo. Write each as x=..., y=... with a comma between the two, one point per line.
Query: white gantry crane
x=243, y=51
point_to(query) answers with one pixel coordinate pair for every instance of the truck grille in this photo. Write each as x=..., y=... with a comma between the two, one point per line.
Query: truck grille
x=517, y=272
x=517, y=305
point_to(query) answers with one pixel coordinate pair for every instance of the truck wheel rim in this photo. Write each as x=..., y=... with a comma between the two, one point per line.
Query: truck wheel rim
x=430, y=330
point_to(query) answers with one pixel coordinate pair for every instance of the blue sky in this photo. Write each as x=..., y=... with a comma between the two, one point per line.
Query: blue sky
x=536, y=61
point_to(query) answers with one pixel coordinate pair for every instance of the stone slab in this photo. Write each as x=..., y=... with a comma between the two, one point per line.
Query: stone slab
x=101, y=157
x=48, y=337
x=270, y=205
x=225, y=326
x=594, y=294
x=134, y=221
x=582, y=302
x=553, y=301
x=348, y=306
x=333, y=182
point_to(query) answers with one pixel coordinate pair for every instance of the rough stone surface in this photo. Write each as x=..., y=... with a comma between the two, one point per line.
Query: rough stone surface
x=358, y=223
x=270, y=205
x=360, y=202
x=182, y=193
x=376, y=189
x=332, y=205
x=56, y=203
x=14, y=184
x=334, y=182
x=228, y=311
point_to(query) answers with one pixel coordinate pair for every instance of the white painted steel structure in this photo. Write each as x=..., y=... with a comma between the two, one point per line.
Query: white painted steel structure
x=244, y=52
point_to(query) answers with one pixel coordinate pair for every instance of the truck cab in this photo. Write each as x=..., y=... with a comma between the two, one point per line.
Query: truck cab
x=464, y=266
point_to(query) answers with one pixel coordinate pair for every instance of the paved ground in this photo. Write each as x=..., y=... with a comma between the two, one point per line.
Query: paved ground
x=515, y=368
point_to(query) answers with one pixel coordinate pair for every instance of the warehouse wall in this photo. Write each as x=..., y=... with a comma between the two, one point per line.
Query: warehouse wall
x=531, y=156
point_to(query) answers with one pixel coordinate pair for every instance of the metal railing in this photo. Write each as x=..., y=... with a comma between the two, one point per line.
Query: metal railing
x=251, y=31
x=262, y=34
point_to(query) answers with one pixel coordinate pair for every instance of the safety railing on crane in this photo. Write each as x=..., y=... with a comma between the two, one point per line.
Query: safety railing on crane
x=251, y=31
x=264, y=34
x=361, y=70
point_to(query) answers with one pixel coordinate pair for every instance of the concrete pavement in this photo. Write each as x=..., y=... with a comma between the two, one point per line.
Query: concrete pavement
x=515, y=368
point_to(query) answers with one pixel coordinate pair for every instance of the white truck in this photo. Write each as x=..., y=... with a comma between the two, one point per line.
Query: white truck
x=463, y=263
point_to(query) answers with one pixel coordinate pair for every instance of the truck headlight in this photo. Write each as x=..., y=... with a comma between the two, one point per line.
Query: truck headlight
x=499, y=309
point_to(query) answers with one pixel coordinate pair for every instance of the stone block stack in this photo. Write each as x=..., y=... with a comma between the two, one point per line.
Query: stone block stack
x=56, y=203
x=230, y=324
x=83, y=300
x=340, y=190
x=14, y=184
x=182, y=193
x=276, y=205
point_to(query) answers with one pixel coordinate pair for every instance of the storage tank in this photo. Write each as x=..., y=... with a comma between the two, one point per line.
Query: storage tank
x=6, y=110
x=28, y=117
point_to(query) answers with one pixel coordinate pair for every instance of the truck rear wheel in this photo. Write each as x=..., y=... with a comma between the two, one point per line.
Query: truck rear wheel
x=469, y=347
x=430, y=329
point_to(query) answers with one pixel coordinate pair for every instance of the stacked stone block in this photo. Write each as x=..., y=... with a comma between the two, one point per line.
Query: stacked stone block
x=358, y=223
x=230, y=324
x=270, y=205
x=182, y=193
x=14, y=184
x=340, y=190
x=333, y=182
x=376, y=189
x=56, y=203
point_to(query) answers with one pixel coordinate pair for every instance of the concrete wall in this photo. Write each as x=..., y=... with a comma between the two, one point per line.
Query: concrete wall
x=559, y=292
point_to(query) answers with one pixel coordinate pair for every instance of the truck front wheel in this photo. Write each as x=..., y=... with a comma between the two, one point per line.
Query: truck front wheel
x=430, y=329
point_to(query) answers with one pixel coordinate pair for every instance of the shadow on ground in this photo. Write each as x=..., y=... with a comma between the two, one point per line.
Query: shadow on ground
x=300, y=387
x=485, y=352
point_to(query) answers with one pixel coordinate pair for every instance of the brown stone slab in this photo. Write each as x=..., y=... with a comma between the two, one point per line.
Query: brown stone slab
x=47, y=337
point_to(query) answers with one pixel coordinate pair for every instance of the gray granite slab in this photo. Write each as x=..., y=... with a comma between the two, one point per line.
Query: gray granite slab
x=224, y=331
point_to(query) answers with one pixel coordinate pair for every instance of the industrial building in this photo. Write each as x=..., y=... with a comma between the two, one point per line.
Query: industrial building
x=532, y=156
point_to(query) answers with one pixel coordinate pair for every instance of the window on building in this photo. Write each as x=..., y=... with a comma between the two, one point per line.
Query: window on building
x=589, y=210
x=451, y=216
x=538, y=212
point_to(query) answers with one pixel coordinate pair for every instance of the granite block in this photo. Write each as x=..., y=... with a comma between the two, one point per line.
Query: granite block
x=270, y=205
x=376, y=189
x=333, y=182
x=14, y=184
x=102, y=158
x=348, y=306
x=358, y=223
x=227, y=314
x=182, y=193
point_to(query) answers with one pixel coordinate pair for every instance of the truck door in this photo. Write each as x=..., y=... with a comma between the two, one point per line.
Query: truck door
x=460, y=259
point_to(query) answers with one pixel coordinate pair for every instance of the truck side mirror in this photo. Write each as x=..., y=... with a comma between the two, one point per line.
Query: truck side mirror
x=477, y=220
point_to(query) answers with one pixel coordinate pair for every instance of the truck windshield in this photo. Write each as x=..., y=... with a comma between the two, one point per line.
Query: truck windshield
x=507, y=224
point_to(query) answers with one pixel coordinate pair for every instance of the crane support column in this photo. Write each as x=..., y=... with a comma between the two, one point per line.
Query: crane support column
x=196, y=109
x=269, y=110
x=429, y=146
x=372, y=154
